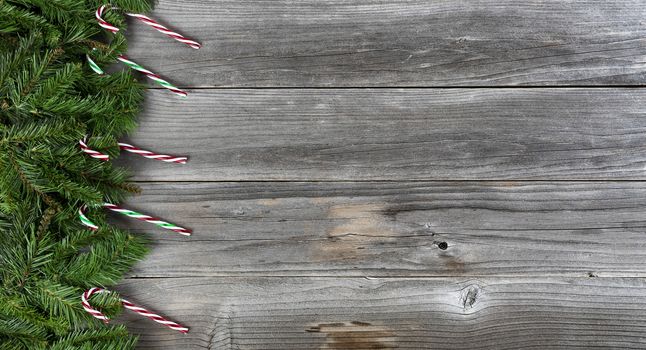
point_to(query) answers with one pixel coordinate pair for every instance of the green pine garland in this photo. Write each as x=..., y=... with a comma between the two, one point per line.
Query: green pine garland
x=49, y=99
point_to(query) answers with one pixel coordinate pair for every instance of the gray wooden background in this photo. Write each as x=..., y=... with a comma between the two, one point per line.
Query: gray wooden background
x=333, y=143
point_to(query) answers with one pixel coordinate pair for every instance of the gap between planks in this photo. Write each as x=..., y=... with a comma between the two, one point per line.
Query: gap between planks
x=405, y=87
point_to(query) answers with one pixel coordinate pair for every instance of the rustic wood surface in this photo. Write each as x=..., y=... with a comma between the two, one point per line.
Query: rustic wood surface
x=335, y=144
x=396, y=134
x=394, y=313
x=389, y=229
x=398, y=42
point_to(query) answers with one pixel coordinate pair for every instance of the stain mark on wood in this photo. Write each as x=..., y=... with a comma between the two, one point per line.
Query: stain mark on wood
x=269, y=202
x=454, y=264
x=359, y=226
x=355, y=335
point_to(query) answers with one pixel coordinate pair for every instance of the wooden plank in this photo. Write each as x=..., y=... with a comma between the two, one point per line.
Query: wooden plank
x=395, y=134
x=389, y=229
x=358, y=313
x=397, y=42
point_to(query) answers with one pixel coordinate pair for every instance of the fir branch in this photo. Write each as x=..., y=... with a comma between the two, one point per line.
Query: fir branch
x=27, y=183
x=49, y=99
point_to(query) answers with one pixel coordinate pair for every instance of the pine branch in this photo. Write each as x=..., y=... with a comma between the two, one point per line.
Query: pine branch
x=50, y=99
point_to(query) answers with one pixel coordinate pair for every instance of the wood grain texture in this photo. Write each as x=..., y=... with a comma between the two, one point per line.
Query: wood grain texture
x=317, y=212
x=395, y=134
x=397, y=42
x=389, y=229
x=358, y=313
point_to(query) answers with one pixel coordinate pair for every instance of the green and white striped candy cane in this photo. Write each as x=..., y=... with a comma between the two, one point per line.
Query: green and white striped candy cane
x=85, y=221
x=133, y=214
x=150, y=219
x=134, y=65
x=95, y=67
x=156, y=78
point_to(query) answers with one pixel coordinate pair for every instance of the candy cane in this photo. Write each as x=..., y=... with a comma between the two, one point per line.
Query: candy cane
x=141, y=69
x=102, y=23
x=93, y=153
x=95, y=67
x=85, y=221
x=148, y=21
x=147, y=218
x=151, y=155
x=128, y=305
x=92, y=226
x=160, y=28
x=132, y=149
x=156, y=78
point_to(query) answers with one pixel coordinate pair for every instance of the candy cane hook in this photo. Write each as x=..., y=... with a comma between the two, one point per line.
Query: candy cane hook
x=102, y=23
x=128, y=305
x=146, y=20
x=95, y=67
x=85, y=221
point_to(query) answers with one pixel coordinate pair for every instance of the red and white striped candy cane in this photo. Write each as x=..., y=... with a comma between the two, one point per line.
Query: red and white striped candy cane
x=151, y=155
x=92, y=153
x=99, y=17
x=132, y=149
x=128, y=305
x=148, y=21
x=160, y=28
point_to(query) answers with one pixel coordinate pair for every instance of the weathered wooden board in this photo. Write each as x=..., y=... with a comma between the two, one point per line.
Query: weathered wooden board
x=359, y=313
x=389, y=229
x=395, y=134
x=315, y=215
x=397, y=42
